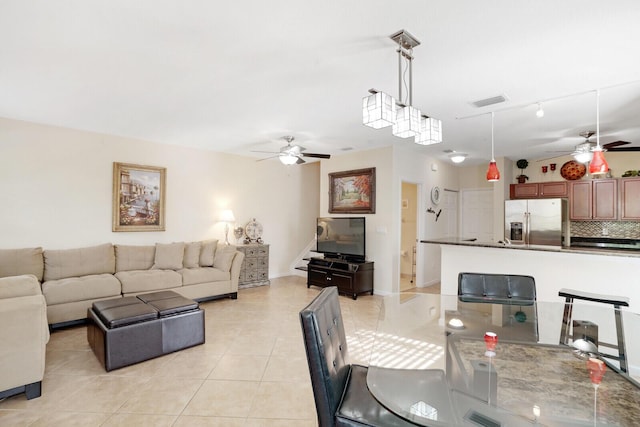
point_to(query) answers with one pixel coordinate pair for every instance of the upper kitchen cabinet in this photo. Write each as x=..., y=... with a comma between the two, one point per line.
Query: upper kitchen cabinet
x=595, y=199
x=630, y=199
x=537, y=190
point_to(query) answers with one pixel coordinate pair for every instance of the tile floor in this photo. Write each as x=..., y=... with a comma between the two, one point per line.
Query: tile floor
x=252, y=370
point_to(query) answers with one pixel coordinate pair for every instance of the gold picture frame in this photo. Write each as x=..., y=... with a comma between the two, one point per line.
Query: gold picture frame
x=138, y=197
x=353, y=191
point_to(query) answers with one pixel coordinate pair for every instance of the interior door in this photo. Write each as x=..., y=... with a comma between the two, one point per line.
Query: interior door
x=476, y=214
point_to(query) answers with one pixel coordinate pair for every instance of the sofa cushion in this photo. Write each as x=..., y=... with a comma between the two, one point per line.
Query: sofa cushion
x=134, y=257
x=224, y=257
x=73, y=289
x=59, y=264
x=195, y=276
x=139, y=281
x=207, y=252
x=191, y=255
x=19, y=286
x=168, y=256
x=15, y=262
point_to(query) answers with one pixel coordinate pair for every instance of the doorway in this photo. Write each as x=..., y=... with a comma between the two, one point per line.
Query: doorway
x=408, y=235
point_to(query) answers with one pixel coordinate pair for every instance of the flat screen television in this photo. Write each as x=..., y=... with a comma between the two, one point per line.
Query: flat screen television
x=342, y=238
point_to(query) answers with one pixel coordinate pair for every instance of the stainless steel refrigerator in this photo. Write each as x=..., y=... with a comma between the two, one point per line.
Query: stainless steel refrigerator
x=537, y=222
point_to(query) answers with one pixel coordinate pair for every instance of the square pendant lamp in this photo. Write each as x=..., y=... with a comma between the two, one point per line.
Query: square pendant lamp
x=380, y=110
x=430, y=131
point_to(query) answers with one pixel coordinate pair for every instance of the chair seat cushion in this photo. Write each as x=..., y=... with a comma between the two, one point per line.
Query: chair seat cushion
x=360, y=408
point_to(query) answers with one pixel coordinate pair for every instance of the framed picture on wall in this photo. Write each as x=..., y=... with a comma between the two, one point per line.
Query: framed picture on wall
x=138, y=197
x=353, y=191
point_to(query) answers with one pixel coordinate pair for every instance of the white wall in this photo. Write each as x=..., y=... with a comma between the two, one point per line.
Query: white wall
x=56, y=190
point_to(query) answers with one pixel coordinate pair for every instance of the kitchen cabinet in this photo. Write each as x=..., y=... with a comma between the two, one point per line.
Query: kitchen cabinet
x=538, y=190
x=595, y=199
x=630, y=199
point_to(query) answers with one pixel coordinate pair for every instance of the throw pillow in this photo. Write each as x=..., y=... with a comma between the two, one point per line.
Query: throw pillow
x=207, y=252
x=224, y=257
x=191, y=255
x=168, y=256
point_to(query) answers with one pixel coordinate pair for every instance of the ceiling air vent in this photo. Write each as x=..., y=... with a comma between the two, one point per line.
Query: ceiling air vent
x=489, y=101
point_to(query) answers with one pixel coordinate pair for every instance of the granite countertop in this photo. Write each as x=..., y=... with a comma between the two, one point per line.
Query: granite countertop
x=555, y=380
x=568, y=249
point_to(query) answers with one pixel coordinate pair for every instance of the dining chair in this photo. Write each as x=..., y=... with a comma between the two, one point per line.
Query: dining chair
x=501, y=289
x=567, y=323
x=339, y=387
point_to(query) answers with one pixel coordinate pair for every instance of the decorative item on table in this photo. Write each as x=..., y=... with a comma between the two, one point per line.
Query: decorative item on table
x=238, y=232
x=520, y=316
x=490, y=341
x=522, y=165
x=253, y=231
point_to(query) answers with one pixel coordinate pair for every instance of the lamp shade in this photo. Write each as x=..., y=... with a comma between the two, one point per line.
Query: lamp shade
x=378, y=110
x=430, y=131
x=407, y=122
x=457, y=157
x=493, y=174
x=227, y=216
x=598, y=164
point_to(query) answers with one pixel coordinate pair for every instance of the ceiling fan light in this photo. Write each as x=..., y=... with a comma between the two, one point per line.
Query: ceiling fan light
x=598, y=165
x=378, y=110
x=493, y=174
x=407, y=122
x=583, y=156
x=540, y=111
x=288, y=159
x=457, y=157
x=430, y=131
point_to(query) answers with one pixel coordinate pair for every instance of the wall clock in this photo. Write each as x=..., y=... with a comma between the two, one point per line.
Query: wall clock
x=435, y=195
x=253, y=231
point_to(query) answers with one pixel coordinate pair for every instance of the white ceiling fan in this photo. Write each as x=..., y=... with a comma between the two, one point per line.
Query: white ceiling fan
x=292, y=154
x=584, y=151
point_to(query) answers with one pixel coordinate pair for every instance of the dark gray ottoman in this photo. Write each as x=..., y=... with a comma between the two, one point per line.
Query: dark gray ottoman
x=129, y=330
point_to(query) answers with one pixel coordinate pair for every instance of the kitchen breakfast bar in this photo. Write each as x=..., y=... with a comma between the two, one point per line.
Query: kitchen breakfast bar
x=597, y=271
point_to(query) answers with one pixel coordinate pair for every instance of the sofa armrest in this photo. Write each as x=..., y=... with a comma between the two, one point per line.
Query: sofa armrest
x=235, y=270
x=19, y=286
x=24, y=333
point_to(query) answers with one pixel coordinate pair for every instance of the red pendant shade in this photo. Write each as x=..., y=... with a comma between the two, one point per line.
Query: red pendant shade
x=598, y=163
x=493, y=174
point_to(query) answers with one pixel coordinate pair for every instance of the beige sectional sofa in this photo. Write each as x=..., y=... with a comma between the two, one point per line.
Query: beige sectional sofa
x=72, y=279
x=23, y=313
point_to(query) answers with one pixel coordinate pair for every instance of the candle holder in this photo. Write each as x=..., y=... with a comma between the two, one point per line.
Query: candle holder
x=544, y=169
x=490, y=341
x=552, y=166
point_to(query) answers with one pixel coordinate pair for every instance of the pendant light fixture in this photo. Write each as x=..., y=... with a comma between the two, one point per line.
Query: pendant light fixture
x=493, y=174
x=380, y=110
x=598, y=165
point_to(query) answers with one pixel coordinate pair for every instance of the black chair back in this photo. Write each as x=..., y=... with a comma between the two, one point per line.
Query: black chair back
x=497, y=288
x=326, y=346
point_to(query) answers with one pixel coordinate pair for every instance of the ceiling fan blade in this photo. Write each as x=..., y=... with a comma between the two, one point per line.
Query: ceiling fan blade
x=613, y=150
x=319, y=156
x=554, y=157
x=267, y=158
x=267, y=152
x=300, y=161
x=610, y=145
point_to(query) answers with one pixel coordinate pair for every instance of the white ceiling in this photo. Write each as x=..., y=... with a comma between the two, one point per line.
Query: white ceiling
x=237, y=76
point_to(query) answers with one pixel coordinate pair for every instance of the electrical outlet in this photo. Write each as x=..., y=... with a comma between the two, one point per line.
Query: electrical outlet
x=605, y=231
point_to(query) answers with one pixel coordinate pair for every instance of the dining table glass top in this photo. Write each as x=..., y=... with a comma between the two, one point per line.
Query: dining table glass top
x=438, y=361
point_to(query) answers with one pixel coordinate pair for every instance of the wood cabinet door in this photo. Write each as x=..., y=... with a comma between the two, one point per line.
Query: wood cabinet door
x=580, y=200
x=523, y=191
x=605, y=199
x=553, y=189
x=630, y=198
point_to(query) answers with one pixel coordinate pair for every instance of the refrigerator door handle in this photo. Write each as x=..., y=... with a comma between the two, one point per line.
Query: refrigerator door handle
x=527, y=223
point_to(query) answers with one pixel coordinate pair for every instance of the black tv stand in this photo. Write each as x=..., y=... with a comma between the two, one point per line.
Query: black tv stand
x=351, y=277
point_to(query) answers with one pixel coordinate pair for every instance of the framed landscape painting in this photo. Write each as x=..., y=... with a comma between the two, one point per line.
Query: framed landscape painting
x=353, y=191
x=138, y=197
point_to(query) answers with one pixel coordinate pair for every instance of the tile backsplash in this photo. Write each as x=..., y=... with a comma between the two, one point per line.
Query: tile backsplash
x=612, y=229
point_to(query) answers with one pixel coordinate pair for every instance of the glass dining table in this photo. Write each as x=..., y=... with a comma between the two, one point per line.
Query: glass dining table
x=438, y=361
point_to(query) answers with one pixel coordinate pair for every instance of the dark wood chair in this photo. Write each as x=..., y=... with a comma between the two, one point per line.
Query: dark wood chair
x=339, y=388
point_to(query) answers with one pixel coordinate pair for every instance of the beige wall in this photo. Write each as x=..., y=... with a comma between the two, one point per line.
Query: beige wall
x=56, y=189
